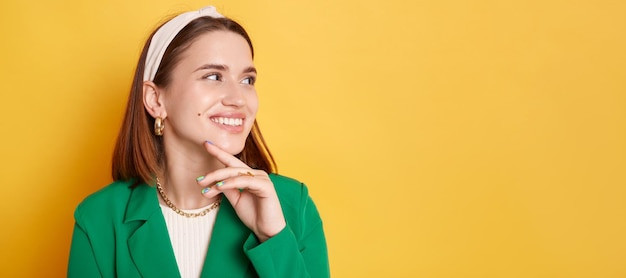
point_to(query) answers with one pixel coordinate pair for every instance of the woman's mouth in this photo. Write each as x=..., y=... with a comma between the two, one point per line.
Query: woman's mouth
x=227, y=121
x=232, y=124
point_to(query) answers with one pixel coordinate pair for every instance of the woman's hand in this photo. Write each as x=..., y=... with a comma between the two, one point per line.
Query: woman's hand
x=250, y=192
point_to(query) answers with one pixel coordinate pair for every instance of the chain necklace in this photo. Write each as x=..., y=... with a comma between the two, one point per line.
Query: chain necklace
x=185, y=214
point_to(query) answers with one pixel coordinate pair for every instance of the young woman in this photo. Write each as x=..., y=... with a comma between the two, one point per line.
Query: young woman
x=195, y=193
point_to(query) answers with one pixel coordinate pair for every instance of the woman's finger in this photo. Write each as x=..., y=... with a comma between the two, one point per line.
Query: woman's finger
x=252, y=184
x=209, y=192
x=225, y=173
x=256, y=185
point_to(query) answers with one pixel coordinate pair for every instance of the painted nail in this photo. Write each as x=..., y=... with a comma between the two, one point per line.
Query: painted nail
x=200, y=178
x=205, y=190
x=210, y=143
x=219, y=183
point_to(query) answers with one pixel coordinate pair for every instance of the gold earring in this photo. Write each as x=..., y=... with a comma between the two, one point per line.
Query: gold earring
x=158, y=126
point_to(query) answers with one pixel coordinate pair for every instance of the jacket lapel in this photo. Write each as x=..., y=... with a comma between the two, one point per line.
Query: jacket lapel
x=225, y=257
x=149, y=242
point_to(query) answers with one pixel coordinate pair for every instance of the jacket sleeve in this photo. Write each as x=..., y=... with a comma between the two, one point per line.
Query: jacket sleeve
x=82, y=262
x=295, y=251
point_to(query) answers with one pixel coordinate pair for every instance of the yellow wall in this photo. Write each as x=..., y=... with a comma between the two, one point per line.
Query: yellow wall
x=439, y=138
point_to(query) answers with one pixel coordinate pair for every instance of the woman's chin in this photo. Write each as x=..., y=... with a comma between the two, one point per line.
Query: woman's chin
x=229, y=147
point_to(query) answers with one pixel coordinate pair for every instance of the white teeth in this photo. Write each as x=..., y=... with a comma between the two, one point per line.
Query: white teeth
x=228, y=121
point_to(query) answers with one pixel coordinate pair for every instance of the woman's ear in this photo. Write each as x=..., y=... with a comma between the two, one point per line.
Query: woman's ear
x=153, y=100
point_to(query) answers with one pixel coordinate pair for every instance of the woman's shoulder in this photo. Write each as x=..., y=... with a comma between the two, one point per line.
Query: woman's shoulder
x=110, y=196
x=289, y=190
x=298, y=206
x=287, y=185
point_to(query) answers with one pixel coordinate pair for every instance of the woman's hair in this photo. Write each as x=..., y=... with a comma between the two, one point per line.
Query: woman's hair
x=138, y=153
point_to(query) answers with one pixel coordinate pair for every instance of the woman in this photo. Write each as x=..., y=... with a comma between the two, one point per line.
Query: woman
x=192, y=196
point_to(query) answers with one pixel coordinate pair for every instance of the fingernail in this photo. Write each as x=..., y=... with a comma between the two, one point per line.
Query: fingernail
x=200, y=178
x=205, y=190
x=210, y=143
x=220, y=183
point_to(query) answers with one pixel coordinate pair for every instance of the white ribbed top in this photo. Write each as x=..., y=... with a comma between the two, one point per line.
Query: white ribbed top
x=190, y=238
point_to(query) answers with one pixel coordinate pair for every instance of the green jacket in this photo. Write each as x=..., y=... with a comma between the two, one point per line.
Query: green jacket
x=120, y=232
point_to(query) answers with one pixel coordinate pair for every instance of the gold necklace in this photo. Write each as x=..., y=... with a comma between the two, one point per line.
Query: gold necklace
x=186, y=214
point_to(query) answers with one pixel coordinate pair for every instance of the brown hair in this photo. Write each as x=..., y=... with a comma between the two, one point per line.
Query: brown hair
x=138, y=153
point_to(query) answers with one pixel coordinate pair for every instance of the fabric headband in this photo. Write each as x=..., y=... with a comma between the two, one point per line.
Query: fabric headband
x=164, y=36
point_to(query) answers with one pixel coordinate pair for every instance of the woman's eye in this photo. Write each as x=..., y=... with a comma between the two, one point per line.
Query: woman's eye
x=213, y=76
x=248, y=80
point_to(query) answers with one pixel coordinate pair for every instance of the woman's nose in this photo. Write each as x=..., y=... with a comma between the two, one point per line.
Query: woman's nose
x=233, y=94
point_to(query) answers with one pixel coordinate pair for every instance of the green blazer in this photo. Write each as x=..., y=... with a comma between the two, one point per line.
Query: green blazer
x=120, y=232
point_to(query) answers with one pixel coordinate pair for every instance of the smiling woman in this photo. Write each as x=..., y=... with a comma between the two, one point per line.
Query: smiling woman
x=215, y=79
x=196, y=193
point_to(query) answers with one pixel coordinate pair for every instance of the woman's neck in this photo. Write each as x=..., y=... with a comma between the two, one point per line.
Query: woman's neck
x=181, y=170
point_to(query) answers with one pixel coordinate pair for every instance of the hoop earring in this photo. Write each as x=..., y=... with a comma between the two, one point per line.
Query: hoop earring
x=158, y=126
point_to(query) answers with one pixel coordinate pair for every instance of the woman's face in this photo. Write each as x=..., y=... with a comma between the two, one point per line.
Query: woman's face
x=211, y=95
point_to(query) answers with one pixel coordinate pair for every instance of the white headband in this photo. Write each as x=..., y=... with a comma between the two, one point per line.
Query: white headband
x=164, y=36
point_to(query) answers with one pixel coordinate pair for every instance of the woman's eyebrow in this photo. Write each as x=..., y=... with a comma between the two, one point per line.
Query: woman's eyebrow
x=223, y=68
x=212, y=66
x=249, y=70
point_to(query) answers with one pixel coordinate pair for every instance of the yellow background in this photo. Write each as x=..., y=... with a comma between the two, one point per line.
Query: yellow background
x=438, y=138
